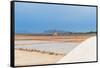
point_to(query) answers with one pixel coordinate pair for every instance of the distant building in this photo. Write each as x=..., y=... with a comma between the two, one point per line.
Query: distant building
x=55, y=33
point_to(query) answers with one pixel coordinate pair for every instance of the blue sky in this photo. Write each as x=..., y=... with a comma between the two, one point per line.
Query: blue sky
x=37, y=18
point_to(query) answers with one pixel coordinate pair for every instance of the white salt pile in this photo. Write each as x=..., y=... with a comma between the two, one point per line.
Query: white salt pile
x=86, y=51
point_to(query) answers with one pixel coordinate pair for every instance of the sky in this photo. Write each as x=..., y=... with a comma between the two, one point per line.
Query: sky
x=37, y=18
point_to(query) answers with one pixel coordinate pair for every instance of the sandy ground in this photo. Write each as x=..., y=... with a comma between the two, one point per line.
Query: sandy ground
x=35, y=57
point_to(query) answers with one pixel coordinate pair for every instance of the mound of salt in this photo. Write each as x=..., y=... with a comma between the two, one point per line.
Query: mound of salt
x=86, y=51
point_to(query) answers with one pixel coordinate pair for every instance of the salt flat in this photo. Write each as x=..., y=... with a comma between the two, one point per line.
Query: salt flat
x=33, y=50
x=33, y=58
x=48, y=46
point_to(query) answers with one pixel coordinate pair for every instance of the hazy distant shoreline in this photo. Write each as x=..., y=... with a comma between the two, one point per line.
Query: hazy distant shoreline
x=59, y=34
